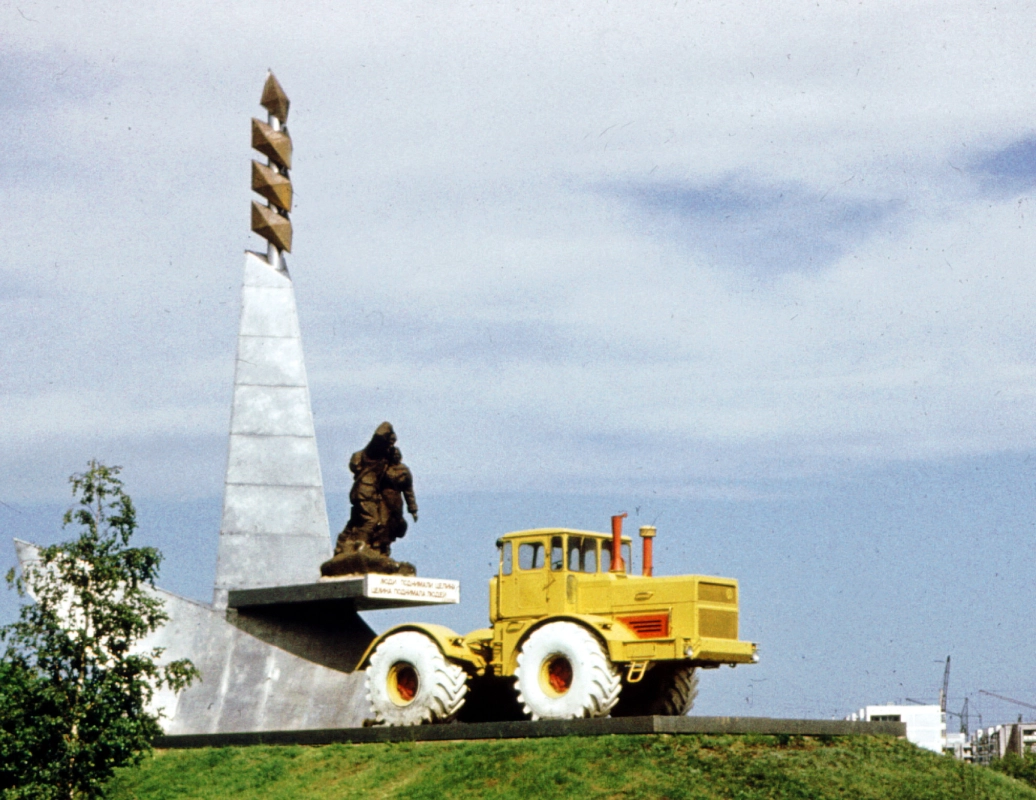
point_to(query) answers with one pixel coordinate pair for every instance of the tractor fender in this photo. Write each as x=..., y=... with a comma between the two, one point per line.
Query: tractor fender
x=611, y=633
x=450, y=642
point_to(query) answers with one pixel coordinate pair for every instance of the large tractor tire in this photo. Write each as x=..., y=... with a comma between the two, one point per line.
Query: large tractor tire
x=410, y=682
x=667, y=689
x=564, y=672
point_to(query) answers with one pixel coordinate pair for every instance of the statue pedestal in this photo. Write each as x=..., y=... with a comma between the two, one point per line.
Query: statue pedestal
x=319, y=624
x=349, y=592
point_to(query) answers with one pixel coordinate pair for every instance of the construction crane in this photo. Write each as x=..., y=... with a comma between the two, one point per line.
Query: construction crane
x=963, y=716
x=942, y=692
x=1006, y=699
x=944, y=696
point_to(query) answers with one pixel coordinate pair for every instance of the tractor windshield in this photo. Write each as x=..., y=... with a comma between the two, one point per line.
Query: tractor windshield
x=582, y=554
x=531, y=555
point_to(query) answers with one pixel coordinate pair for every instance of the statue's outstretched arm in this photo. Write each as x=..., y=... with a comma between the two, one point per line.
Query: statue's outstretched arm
x=411, y=501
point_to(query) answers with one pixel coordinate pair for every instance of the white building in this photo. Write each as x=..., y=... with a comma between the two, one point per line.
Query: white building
x=925, y=725
x=989, y=744
x=960, y=746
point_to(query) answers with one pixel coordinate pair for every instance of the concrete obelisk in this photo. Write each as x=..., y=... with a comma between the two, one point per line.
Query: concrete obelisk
x=274, y=528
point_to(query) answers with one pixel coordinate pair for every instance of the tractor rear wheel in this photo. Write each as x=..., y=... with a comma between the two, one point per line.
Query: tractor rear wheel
x=564, y=672
x=410, y=682
x=667, y=689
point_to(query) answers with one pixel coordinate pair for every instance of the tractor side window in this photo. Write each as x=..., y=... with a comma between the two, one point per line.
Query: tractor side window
x=606, y=557
x=574, y=561
x=530, y=555
x=505, y=558
x=589, y=555
x=557, y=554
x=582, y=554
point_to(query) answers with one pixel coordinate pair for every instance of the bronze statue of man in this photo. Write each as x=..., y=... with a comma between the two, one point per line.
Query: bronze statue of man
x=381, y=485
x=368, y=467
x=397, y=486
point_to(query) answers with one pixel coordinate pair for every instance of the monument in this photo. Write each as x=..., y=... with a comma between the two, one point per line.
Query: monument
x=278, y=646
x=381, y=483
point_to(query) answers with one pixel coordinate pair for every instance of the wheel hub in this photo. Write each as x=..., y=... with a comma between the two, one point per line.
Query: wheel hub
x=556, y=675
x=403, y=683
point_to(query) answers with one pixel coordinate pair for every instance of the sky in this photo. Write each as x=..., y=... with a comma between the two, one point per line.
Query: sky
x=758, y=273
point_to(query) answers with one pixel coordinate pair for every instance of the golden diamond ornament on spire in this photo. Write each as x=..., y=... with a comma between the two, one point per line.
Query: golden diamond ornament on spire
x=274, y=144
x=272, y=185
x=271, y=226
x=274, y=99
x=271, y=180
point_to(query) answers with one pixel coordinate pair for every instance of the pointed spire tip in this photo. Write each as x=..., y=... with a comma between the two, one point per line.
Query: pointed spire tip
x=274, y=99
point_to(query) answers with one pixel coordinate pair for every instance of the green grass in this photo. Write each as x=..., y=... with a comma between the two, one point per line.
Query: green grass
x=674, y=767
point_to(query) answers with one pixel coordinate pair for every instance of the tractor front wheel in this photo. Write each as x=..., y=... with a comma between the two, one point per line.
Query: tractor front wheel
x=564, y=672
x=410, y=682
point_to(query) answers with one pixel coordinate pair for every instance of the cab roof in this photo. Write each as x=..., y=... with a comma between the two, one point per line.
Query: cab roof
x=559, y=531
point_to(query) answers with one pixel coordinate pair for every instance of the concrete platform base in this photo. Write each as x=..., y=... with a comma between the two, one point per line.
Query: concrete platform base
x=348, y=593
x=459, y=731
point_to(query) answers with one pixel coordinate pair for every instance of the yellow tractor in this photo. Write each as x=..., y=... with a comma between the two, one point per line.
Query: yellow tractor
x=573, y=634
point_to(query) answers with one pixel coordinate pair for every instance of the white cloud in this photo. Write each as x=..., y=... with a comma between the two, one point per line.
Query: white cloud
x=460, y=269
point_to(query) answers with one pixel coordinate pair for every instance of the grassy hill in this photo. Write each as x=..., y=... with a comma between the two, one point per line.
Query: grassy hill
x=698, y=767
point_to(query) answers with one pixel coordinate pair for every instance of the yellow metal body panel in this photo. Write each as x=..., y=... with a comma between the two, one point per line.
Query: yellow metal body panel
x=555, y=575
x=453, y=646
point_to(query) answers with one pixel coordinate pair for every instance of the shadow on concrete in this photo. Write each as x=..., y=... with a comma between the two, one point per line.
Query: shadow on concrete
x=333, y=636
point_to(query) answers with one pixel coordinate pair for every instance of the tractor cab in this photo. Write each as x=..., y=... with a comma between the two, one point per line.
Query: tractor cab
x=539, y=570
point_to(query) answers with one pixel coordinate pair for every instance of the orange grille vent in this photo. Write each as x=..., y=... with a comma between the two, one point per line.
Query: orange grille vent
x=647, y=626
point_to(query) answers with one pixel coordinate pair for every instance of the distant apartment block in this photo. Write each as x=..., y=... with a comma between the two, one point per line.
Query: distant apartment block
x=989, y=744
x=926, y=725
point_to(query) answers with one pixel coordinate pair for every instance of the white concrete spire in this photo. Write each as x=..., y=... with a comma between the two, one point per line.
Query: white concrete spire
x=274, y=529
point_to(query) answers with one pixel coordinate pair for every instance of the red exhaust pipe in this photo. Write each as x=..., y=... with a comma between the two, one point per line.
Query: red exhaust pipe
x=617, y=565
x=647, y=533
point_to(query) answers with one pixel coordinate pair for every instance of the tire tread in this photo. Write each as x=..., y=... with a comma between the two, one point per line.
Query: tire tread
x=604, y=681
x=448, y=681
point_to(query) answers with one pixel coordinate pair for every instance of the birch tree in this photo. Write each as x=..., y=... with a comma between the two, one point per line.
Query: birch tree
x=74, y=682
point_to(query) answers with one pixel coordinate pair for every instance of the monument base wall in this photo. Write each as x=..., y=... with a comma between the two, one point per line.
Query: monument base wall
x=250, y=679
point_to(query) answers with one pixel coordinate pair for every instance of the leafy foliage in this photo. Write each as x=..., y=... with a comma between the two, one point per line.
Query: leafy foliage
x=74, y=683
x=1022, y=768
